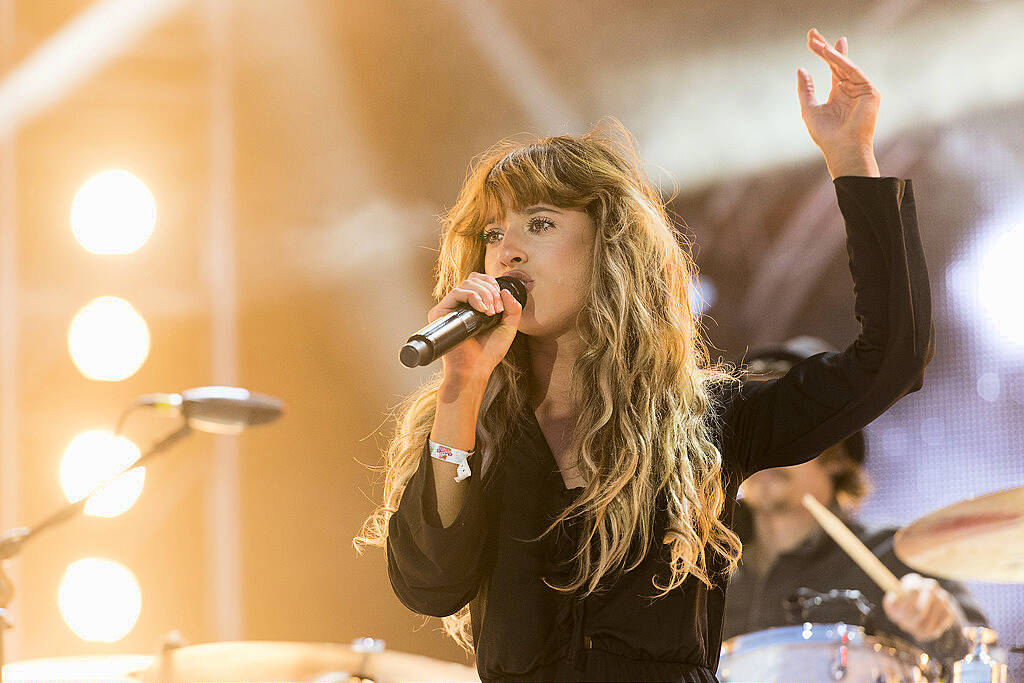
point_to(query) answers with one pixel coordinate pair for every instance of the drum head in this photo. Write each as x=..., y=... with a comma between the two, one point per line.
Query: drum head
x=813, y=653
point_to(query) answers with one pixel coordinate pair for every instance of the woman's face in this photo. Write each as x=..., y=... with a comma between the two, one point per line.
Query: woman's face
x=550, y=249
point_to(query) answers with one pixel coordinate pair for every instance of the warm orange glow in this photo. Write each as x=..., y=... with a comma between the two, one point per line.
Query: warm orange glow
x=113, y=213
x=92, y=458
x=108, y=339
x=100, y=600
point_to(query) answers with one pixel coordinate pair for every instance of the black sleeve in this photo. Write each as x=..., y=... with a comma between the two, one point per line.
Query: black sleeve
x=436, y=570
x=827, y=397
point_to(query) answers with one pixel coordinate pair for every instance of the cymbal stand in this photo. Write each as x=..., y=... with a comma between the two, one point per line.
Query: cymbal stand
x=12, y=540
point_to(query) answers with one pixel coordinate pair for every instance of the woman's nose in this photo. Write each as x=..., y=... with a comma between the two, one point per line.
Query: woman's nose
x=511, y=252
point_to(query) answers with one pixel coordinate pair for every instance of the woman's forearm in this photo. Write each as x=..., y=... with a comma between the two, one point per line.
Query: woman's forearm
x=458, y=406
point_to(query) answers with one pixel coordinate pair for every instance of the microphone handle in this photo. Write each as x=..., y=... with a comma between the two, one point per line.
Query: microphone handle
x=440, y=336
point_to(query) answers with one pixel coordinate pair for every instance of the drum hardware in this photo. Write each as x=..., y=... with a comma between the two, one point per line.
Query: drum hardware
x=812, y=653
x=841, y=663
x=805, y=605
x=221, y=410
x=81, y=669
x=13, y=540
x=977, y=539
x=367, y=647
x=366, y=660
x=979, y=666
x=980, y=539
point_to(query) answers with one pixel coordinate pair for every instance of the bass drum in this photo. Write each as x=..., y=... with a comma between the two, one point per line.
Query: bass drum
x=815, y=653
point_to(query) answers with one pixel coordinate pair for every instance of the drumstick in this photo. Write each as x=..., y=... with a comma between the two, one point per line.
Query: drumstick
x=857, y=551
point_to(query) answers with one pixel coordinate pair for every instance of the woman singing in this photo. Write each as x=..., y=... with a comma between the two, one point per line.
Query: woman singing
x=587, y=534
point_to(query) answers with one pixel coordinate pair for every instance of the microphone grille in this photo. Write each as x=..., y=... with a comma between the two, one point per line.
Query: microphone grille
x=515, y=286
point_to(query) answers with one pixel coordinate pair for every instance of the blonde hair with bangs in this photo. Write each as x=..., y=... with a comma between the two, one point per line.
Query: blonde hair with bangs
x=641, y=386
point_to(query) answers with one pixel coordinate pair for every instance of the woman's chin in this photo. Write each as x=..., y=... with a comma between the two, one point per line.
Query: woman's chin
x=552, y=325
x=529, y=328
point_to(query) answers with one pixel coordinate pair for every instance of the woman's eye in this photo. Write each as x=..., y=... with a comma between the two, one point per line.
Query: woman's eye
x=492, y=236
x=540, y=224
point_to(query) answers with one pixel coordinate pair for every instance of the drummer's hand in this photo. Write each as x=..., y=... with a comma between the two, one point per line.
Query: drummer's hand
x=922, y=608
x=844, y=126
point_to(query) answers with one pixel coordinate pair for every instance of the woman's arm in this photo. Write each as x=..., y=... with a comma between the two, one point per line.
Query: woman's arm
x=458, y=406
x=439, y=538
x=825, y=398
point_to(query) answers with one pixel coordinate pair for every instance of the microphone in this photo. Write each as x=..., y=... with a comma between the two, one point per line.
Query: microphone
x=447, y=332
x=220, y=410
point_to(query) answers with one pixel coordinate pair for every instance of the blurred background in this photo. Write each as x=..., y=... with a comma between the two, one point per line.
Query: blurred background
x=277, y=168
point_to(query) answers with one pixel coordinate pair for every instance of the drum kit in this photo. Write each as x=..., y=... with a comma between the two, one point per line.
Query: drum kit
x=977, y=539
x=364, y=661
x=981, y=539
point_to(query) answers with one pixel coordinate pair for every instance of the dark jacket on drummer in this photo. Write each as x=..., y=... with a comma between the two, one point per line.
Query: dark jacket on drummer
x=784, y=549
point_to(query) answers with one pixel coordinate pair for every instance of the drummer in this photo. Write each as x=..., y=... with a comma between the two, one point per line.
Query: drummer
x=784, y=549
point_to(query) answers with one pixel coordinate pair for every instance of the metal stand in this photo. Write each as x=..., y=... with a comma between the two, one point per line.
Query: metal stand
x=979, y=666
x=4, y=625
x=12, y=540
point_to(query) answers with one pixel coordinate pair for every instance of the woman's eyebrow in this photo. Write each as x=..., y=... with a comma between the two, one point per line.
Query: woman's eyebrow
x=537, y=208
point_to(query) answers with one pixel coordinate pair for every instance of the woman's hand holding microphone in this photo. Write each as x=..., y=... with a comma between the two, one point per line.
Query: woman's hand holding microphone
x=467, y=368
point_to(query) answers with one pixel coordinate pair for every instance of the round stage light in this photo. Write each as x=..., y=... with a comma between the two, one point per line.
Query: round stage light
x=113, y=213
x=998, y=284
x=92, y=458
x=100, y=600
x=108, y=339
x=984, y=280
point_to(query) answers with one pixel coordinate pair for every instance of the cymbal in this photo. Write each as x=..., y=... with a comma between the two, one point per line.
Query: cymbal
x=977, y=539
x=89, y=668
x=297, y=661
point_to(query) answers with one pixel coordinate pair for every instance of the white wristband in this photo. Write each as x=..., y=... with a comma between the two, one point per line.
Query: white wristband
x=449, y=454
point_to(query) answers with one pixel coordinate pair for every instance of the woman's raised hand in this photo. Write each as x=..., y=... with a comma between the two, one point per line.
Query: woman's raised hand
x=476, y=358
x=844, y=126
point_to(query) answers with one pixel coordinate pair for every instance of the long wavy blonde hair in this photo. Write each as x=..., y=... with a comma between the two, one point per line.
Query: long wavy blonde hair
x=641, y=386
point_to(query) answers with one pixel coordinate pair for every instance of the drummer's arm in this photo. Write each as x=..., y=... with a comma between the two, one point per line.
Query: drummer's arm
x=933, y=613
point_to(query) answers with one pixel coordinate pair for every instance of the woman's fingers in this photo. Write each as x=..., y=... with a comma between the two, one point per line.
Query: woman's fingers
x=513, y=310
x=478, y=290
x=491, y=284
x=805, y=90
x=844, y=69
x=855, y=90
x=487, y=289
x=474, y=297
x=841, y=48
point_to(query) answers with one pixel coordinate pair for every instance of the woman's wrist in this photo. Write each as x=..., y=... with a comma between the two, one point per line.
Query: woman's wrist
x=855, y=161
x=458, y=387
x=458, y=406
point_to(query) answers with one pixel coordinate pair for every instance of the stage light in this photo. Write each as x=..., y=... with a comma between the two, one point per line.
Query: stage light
x=988, y=386
x=108, y=339
x=703, y=294
x=92, y=458
x=113, y=213
x=100, y=600
x=999, y=284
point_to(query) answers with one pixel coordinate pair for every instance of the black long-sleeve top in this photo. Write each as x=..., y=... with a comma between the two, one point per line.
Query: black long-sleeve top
x=524, y=630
